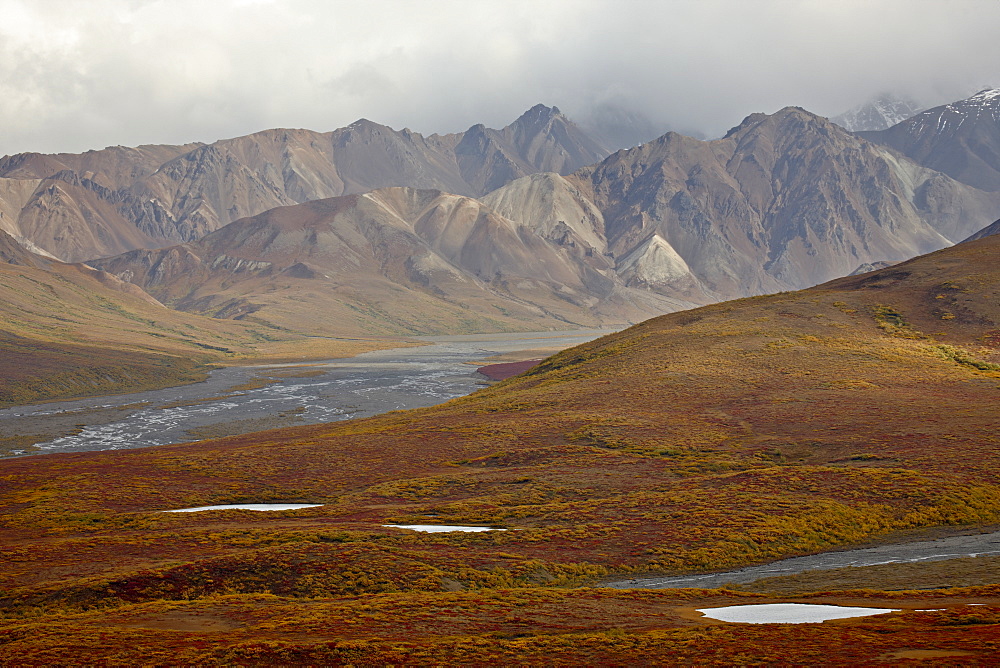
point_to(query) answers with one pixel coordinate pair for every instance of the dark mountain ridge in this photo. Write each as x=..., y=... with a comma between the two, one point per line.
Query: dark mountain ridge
x=961, y=139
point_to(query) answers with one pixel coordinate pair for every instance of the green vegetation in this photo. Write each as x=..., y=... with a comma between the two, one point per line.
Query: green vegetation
x=964, y=357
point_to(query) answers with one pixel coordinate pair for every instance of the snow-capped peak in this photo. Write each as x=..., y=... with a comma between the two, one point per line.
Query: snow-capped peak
x=880, y=113
x=985, y=97
x=987, y=94
x=950, y=117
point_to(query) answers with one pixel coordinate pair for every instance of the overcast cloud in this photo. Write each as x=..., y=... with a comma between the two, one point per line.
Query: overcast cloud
x=76, y=75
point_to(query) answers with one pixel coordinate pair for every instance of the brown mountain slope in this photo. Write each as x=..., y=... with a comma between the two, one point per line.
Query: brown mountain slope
x=783, y=201
x=69, y=330
x=395, y=260
x=76, y=219
x=152, y=195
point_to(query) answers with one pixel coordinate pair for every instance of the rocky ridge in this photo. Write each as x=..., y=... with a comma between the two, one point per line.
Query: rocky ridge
x=100, y=203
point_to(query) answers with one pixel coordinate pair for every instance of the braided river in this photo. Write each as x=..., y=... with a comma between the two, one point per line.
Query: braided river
x=243, y=399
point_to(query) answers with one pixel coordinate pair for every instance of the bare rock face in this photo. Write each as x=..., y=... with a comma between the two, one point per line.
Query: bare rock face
x=868, y=267
x=11, y=252
x=554, y=208
x=961, y=139
x=120, y=199
x=655, y=263
x=784, y=201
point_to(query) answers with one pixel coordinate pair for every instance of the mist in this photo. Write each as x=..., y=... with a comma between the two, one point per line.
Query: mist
x=78, y=76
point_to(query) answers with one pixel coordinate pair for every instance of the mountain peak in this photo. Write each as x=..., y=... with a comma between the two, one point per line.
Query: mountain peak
x=778, y=118
x=879, y=113
x=987, y=95
x=959, y=139
x=541, y=139
x=365, y=124
x=538, y=115
x=541, y=109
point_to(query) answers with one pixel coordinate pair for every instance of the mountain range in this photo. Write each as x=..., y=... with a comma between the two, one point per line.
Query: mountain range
x=397, y=261
x=531, y=226
x=782, y=202
x=78, y=207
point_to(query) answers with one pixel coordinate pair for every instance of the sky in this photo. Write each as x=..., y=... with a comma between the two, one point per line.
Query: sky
x=85, y=74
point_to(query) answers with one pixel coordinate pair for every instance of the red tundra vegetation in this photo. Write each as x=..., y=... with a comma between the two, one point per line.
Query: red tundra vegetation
x=861, y=410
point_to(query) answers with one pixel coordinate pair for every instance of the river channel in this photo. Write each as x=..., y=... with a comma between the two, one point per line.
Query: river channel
x=941, y=549
x=237, y=400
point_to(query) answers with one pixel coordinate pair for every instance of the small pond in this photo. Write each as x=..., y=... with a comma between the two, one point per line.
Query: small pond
x=248, y=506
x=438, y=528
x=788, y=613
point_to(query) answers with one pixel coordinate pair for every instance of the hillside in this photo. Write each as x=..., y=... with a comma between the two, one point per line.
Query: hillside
x=69, y=330
x=736, y=433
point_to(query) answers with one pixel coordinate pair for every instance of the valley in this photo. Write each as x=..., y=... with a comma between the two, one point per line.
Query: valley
x=766, y=351
x=243, y=399
x=623, y=455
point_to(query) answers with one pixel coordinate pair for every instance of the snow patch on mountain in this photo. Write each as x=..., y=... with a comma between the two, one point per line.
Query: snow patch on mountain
x=950, y=117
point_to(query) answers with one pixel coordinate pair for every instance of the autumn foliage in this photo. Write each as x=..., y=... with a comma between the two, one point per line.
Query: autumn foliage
x=734, y=434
